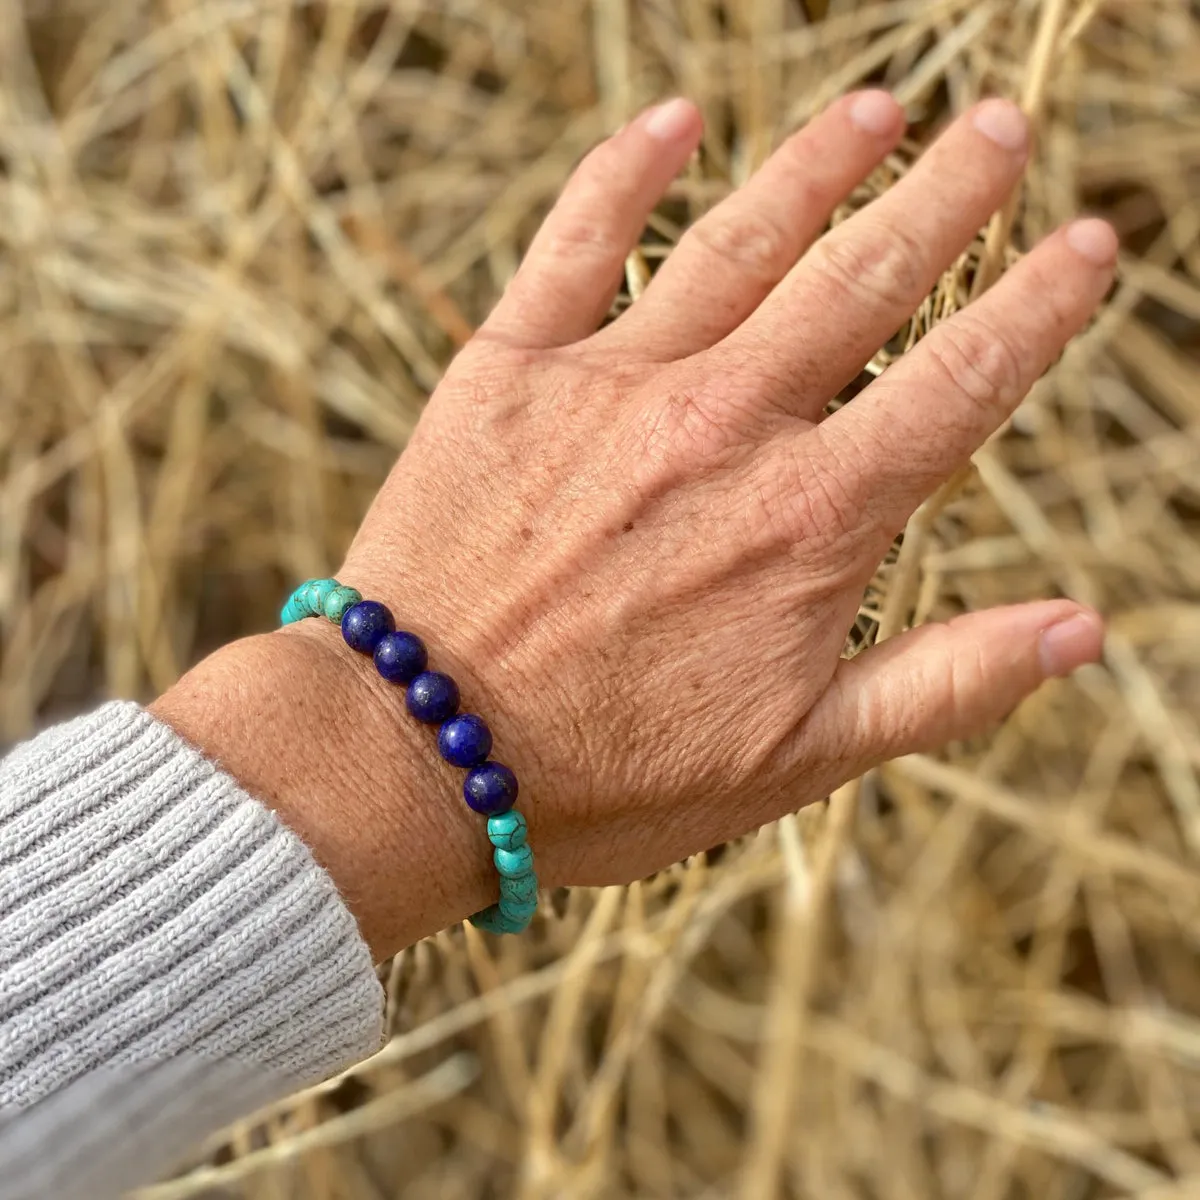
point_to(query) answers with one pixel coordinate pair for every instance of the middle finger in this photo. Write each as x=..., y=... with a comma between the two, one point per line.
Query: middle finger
x=864, y=279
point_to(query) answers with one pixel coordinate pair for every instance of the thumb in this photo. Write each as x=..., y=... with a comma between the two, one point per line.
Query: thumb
x=938, y=683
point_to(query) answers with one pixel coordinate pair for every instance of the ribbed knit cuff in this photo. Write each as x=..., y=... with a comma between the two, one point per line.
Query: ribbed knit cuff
x=153, y=913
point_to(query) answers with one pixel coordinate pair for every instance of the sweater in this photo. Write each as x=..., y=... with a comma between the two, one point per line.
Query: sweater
x=171, y=957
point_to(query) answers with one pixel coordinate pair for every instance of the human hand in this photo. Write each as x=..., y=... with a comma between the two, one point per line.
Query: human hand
x=639, y=550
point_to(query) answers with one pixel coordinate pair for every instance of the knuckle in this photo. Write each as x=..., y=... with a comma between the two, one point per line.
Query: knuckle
x=873, y=265
x=581, y=222
x=977, y=362
x=577, y=237
x=806, y=504
x=957, y=678
x=680, y=432
x=827, y=508
x=944, y=698
x=747, y=239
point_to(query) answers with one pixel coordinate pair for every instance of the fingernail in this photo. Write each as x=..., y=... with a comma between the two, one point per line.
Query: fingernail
x=875, y=112
x=1094, y=240
x=1002, y=122
x=1071, y=643
x=668, y=121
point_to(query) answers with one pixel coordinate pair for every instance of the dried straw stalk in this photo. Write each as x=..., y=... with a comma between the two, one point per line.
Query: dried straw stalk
x=241, y=240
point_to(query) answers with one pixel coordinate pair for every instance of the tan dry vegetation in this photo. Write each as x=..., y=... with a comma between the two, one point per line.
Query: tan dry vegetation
x=240, y=240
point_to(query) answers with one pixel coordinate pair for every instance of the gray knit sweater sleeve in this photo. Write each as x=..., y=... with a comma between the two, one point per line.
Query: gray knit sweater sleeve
x=170, y=957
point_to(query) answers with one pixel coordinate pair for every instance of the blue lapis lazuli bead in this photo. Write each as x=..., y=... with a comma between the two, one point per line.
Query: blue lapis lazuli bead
x=365, y=624
x=400, y=657
x=513, y=862
x=507, y=830
x=490, y=788
x=465, y=740
x=432, y=697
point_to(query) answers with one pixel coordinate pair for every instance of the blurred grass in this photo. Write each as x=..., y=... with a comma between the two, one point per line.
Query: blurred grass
x=241, y=239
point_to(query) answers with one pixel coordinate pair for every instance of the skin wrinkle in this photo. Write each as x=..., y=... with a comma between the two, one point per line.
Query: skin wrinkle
x=640, y=570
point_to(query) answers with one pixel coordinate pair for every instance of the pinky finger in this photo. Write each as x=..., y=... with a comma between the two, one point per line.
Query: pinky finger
x=574, y=266
x=939, y=683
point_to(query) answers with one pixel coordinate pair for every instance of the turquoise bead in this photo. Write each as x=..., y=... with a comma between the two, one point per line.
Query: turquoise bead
x=514, y=862
x=519, y=912
x=492, y=920
x=508, y=830
x=520, y=889
x=318, y=592
x=295, y=609
x=313, y=597
x=338, y=600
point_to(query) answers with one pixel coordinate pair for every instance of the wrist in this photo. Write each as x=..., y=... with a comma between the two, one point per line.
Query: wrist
x=310, y=730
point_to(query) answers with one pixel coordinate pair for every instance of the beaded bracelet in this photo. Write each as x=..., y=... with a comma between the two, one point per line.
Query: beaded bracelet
x=464, y=740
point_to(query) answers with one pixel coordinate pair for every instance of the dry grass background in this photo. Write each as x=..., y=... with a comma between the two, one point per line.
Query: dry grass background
x=240, y=240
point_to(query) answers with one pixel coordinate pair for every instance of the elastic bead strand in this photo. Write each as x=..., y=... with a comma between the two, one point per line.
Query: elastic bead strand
x=464, y=740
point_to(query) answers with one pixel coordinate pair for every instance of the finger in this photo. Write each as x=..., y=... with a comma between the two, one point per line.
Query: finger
x=731, y=259
x=939, y=683
x=574, y=266
x=864, y=279
x=923, y=418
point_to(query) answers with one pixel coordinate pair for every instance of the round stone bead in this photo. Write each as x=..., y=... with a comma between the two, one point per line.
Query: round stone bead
x=319, y=591
x=316, y=593
x=490, y=788
x=432, y=697
x=492, y=920
x=465, y=740
x=339, y=601
x=294, y=609
x=365, y=624
x=518, y=913
x=507, y=830
x=518, y=889
x=514, y=863
x=400, y=657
